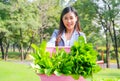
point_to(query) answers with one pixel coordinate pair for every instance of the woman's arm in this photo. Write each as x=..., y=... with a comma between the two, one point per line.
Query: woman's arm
x=52, y=40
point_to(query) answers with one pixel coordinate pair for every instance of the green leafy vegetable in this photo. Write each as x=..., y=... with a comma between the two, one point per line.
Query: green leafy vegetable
x=80, y=61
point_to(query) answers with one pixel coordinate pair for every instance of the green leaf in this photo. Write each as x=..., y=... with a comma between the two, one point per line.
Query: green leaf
x=57, y=72
x=80, y=61
x=48, y=71
x=81, y=40
x=41, y=71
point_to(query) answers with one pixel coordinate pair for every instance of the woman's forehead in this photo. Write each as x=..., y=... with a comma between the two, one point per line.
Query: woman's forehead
x=70, y=14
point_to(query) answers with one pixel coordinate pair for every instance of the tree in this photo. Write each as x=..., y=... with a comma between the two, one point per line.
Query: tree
x=95, y=17
x=4, y=15
x=108, y=14
x=49, y=15
x=25, y=17
x=21, y=15
x=26, y=22
x=87, y=14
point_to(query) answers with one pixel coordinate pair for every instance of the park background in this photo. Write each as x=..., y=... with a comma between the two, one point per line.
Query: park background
x=23, y=22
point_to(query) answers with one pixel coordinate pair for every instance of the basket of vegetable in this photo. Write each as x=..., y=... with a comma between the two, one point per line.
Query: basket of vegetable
x=65, y=66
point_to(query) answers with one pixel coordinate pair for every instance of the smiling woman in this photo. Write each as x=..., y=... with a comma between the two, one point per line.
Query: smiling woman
x=69, y=29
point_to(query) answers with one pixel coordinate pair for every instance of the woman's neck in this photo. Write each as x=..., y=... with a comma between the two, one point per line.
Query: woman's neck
x=69, y=31
x=68, y=34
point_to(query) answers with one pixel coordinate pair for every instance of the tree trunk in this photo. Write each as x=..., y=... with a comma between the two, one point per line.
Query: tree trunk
x=41, y=34
x=31, y=41
x=26, y=53
x=13, y=47
x=22, y=54
x=107, y=51
x=116, y=46
x=2, y=49
x=105, y=27
x=21, y=45
x=6, y=53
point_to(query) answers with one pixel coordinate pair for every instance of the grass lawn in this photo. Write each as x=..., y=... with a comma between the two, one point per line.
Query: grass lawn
x=107, y=75
x=10, y=71
x=16, y=72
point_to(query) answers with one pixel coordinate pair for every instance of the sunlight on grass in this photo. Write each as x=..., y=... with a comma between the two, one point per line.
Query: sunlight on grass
x=10, y=71
x=107, y=75
x=16, y=72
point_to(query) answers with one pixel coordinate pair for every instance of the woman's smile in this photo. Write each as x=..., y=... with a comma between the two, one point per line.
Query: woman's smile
x=69, y=20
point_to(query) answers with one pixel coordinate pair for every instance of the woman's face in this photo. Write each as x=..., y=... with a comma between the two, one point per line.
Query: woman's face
x=69, y=20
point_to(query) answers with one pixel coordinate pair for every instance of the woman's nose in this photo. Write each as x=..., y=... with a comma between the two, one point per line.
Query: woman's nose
x=68, y=20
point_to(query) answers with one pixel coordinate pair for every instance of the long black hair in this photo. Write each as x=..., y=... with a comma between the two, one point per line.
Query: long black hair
x=62, y=26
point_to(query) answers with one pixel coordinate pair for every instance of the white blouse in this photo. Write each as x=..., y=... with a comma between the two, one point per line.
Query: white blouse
x=67, y=43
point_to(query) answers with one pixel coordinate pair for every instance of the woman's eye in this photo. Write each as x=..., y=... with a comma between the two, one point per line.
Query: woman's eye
x=71, y=17
x=65, y=18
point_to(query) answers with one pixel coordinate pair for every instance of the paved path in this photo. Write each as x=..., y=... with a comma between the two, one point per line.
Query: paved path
x=21, y=62
x=113, y=65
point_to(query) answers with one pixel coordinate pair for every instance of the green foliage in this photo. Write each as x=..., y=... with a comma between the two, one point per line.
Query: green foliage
x=23, y=22
x=95, y=38
x=81, y=61
x=85, y=57
x=87, y=13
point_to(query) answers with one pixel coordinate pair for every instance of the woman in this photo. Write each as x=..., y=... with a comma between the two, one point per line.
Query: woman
x=69, y=29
